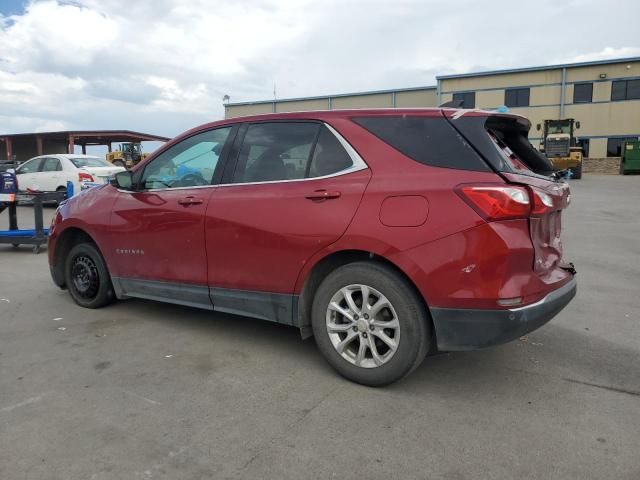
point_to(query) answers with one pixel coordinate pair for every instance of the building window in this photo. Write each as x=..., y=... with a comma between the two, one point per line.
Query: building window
x=516, y=97
x=584, y=144
x=625, y=89
x=583, y=92
x=468, y=99
x=614, y=145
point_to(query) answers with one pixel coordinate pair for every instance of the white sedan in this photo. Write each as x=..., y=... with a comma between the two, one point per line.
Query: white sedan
x=50, y=173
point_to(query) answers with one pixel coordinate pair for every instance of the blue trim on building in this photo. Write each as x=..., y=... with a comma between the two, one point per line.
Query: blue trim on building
x=539, y=68
x=536, y=85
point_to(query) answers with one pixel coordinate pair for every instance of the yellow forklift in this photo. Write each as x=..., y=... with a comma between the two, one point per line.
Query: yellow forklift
x=127, y=155
x=560, y=146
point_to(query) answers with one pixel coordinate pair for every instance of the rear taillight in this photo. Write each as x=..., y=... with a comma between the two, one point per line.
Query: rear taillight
x=84, y=177
x=505, y=202
x=542, y=203
x=497, y=202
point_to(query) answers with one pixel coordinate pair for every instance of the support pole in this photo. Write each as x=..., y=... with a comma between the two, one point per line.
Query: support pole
x=563, y=85
x=71, y=145
x=84, y=148
x=9, y=149
x=39, y=148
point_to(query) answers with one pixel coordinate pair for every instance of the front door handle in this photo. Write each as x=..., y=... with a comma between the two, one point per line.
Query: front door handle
x=319, y=195
x=186, y=201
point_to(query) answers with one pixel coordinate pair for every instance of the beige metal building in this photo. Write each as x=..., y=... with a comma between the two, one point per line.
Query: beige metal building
x=604, y=96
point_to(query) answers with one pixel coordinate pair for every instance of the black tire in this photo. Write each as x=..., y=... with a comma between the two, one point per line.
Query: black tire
x=414, y=324
x=577, y=172
x=61, y=189
x=119, y=163
x=87, y=277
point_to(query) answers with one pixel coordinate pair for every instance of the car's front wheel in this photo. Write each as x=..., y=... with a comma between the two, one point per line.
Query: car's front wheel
x=87, y=277
x=370, y=324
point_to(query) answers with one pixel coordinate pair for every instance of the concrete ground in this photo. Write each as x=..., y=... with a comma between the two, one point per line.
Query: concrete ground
x=142, y=390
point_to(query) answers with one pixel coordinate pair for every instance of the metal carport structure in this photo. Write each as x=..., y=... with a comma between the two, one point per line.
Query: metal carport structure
x=22, y=146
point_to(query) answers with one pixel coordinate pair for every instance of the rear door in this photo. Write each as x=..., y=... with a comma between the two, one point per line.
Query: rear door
x=291, y=190
x=51, y=175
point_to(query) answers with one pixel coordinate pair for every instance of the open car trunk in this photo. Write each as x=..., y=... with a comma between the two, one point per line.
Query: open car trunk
x=509, y=133
x=502, y=141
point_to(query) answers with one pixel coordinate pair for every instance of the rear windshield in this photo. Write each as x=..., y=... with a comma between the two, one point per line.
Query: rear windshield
x=80, y=162
x=503, y=142
x=427, y=140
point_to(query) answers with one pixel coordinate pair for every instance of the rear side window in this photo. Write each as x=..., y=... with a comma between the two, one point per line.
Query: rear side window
x=275, y=151
x=51, y=164
x=289, y=151
x=427, y=140
x=329, y=156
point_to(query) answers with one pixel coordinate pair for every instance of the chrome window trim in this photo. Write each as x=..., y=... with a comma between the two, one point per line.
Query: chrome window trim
x=358, y=164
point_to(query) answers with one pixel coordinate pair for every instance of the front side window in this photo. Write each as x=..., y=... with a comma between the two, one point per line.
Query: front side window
x=582, y=92
x=465, y=99
x=516, y=97
x=189, y=163
x=29, y=167
x=51, y=165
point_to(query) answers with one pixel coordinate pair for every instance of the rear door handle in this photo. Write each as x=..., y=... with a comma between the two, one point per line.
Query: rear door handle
x=322, y=195
x=186, y=201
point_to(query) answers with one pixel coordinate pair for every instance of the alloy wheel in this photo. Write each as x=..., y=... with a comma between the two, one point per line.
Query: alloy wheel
x=363, y=326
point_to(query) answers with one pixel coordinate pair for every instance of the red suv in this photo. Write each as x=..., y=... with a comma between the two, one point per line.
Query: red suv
x=386, y=234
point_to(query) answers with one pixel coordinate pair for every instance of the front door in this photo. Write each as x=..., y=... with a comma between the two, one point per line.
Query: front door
x=157, y=232
x=293, y=190
x=27, y=174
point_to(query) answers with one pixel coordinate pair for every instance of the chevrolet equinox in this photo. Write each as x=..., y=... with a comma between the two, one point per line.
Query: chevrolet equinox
x=385, y=234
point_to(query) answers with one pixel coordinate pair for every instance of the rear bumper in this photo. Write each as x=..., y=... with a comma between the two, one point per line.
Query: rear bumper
x=470, y=329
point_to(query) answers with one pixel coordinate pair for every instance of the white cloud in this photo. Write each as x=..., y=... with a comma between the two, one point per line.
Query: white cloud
x=164, y=66
x=604, y=54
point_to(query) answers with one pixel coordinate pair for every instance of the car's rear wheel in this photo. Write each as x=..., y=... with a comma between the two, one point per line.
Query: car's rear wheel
x=370, y=324
x=87, y=277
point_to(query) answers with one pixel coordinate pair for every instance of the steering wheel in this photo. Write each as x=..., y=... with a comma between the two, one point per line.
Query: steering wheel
x=192, y=180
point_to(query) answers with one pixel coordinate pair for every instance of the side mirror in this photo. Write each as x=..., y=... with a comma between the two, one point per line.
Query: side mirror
x=123, y=180
x=577, y=125
x=538, y=127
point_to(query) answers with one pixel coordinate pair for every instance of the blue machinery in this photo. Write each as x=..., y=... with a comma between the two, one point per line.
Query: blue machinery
x=9, y=198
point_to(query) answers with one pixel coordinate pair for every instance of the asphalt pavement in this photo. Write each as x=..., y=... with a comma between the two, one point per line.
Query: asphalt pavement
x=143, y=390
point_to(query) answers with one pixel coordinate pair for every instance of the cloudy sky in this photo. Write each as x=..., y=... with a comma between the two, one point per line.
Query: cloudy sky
x=163, y=66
